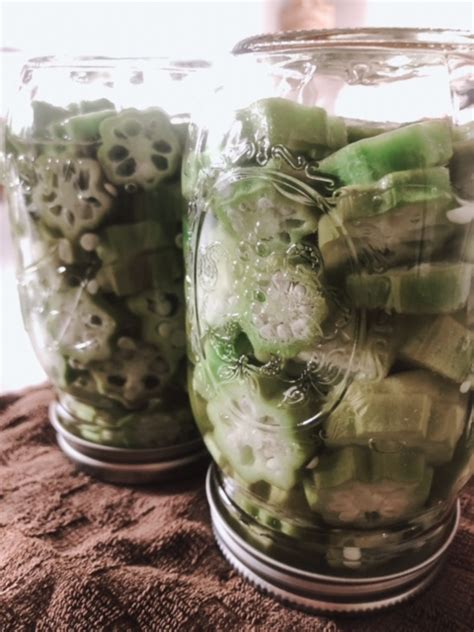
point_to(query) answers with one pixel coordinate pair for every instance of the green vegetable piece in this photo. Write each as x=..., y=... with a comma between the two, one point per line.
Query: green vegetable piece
x=429, y=187
x=257, y=209
x=44, y=115
x=364, y=488
x=416, y=146
x=83, y=128
x=193, y=168
x=126, y=241
x=259, y=437
x=69, y=195
x=300, y=128
x=80, y=326
x=219, y=278
x=96, y=105
x=147, y=270
x=442, y=345
x=225, y=354
x=403, y=235
x=461, y=168
x=361, y=418
x=425, y=289
x=364, y=355
x=358, y=129
x=139, y=148
x=284, y=307
x=277, y=509
x=426, y=413
x=135, y=257
x=134, y=373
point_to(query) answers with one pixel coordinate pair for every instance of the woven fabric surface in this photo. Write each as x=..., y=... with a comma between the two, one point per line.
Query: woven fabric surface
x=78, y=555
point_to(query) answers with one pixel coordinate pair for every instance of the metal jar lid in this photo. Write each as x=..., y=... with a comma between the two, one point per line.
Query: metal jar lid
x=315, y=592
x=122, y=465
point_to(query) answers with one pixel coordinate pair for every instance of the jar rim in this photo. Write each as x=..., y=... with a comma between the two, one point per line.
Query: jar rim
x=95, y=62
x=373, y=38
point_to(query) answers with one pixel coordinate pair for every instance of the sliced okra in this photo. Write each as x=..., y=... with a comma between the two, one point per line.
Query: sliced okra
x=70, y=196
x=283, y=310
x=139, y=148
x=135, y=373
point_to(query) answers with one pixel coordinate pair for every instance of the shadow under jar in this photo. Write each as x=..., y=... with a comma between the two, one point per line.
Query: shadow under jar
x=94, y=150
x=329, y=251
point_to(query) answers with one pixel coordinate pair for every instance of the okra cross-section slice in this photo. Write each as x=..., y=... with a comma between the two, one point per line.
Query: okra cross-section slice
x=277, y=121
x=426, y=413
x=134, y=373
x=416, y=146
x=139, y=148
x=284, y=307
x=259, y=437
x=437, y=288
x=255, y=209
x=69, y=195
x=81, y=326
x=363, y=488
x=442, y=345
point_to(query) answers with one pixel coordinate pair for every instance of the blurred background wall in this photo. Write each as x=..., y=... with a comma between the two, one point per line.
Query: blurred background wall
x=178, y=28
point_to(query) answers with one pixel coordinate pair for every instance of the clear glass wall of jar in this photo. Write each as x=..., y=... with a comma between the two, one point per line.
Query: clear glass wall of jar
x=94, y=151
x=329, y=254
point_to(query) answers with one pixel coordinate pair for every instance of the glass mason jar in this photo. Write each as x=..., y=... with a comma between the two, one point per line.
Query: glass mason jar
x=94, y=151
x=329, y=251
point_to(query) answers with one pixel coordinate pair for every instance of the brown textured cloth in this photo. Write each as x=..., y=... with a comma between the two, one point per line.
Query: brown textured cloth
x=78, y=555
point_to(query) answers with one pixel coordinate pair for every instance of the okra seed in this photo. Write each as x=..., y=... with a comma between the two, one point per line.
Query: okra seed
x=89, y=241
x=92, y=287
x=465, y=387
x=65, y=251
x=110, y=189
x=283, y=331
x=267, y=332
x=164, y=329
x=126, y=343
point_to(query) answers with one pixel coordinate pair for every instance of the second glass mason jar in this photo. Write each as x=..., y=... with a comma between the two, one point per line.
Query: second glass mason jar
x=329, y=252
x=94, y=151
